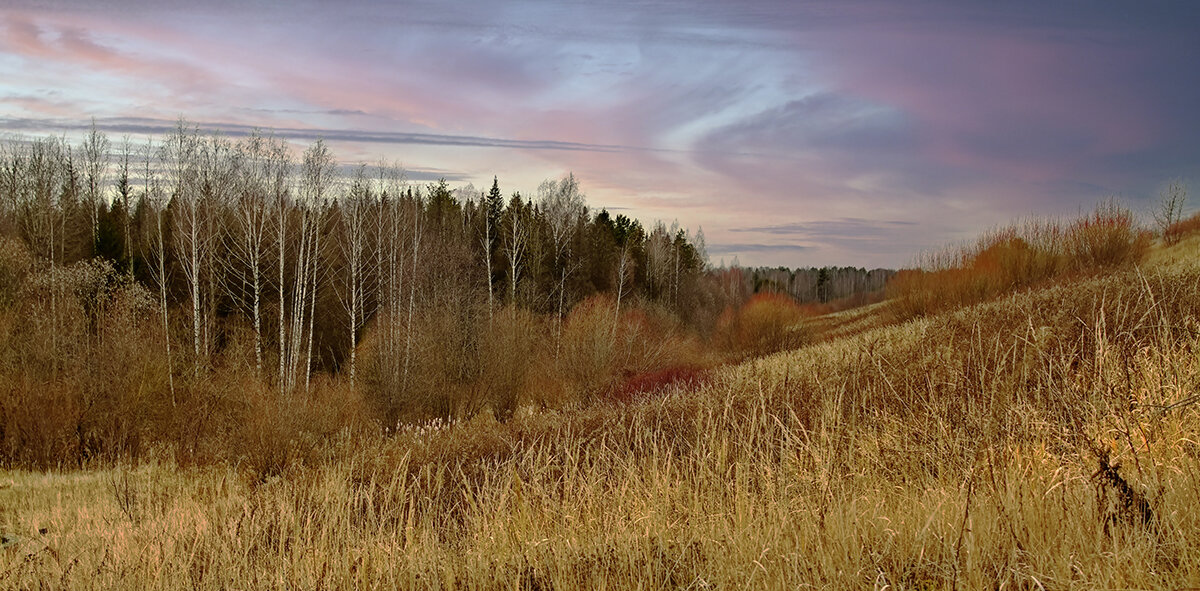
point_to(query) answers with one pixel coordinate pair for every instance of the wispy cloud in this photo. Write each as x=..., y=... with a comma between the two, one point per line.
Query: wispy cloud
x=825, y=228
x=844, y=116
x=146, y=126
x=746, y=248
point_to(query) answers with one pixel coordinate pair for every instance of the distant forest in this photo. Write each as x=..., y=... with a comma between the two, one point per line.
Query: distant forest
x=848, y=285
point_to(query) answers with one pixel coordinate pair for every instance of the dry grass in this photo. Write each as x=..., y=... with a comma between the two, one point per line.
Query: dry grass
x=963, y=450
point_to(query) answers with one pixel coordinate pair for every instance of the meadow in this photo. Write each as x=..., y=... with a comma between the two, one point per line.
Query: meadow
x=1041, y=436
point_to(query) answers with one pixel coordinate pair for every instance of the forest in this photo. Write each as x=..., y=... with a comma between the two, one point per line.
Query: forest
x=180, y=284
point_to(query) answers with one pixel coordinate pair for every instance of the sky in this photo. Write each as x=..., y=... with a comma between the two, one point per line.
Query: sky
x=852, y=132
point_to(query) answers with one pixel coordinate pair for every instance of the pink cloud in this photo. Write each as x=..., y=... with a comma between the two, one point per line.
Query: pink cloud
x=74, y=46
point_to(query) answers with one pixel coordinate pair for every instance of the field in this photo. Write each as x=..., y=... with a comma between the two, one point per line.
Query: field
x=1042, y=440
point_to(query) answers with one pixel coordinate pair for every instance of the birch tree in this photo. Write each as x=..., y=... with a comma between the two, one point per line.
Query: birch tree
x=42, y=216
x=251, y=213
x=180, y=156
x=516, y=242
x=659, y=264
x=279, y=171
x=624, y=275
x=415, y=239
x=152, y=195
x=357, y=207
x=219, y=167
x=95, y=167
x=316, y=177
x=563, y=206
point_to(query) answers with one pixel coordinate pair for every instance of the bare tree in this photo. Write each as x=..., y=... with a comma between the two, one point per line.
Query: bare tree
x=678, y=238
x=316, y=178
x=487, y=245
x=624, y=274
x=42, y=212
x=292, y=339
x=563, y=206
x=11, y=177
x=1170, y=208
x=181, y=156
x=389, y=263
x=219, y=169
x=95, y=167
x=357, y=206
x=700, y=245
x=659, y=264
x=251, y=212
x=415, y=238
x=516, y=241
x=279, y=177
x=152, y=194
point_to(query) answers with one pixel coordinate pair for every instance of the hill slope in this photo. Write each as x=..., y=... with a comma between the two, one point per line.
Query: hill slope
x=1046, y=439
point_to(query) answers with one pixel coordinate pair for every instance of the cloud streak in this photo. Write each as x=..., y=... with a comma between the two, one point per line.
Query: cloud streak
x=144, y=126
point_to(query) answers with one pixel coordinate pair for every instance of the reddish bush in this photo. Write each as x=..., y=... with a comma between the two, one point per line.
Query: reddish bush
x=1176, y=232
x=769, y=322
x=650, y=383
x=1018, y=256
x=1106, y=238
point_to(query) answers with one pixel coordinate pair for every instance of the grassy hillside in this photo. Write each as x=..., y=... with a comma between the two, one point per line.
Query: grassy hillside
x=1046, y=439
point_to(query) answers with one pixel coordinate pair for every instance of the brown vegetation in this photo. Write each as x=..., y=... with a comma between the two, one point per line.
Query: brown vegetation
x=956, y=450
x=1019, y=256
x=230, y=290
x=508, y=426
x=1182, y=229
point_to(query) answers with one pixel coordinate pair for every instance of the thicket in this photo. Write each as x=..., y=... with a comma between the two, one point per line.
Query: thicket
x=214, y=295
x=1019, y=256
x=1182, y=228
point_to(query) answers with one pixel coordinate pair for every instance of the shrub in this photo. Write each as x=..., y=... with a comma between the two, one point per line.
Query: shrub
x=769, y=322
x=275, y=432
x=641, y=385
x=508, y=350
x=15, y=264
x=598, y=347
x=83, y=381
x=1018, y=256
x=1107, y=238
x=1181, y=229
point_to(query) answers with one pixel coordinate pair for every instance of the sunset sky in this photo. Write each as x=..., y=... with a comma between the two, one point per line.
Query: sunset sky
x=795, y=133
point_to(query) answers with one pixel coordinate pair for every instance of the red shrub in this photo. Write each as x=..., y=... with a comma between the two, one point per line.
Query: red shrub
x=1175, y=232
x=769, y=322
x=1017, y=256
x=650, y=383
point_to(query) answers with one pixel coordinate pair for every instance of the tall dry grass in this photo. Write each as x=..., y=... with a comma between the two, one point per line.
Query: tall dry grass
x=971, y=449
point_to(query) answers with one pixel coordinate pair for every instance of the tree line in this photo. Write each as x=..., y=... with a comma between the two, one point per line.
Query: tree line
x=819, y=284
x=245, y=231
x=249, y=250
